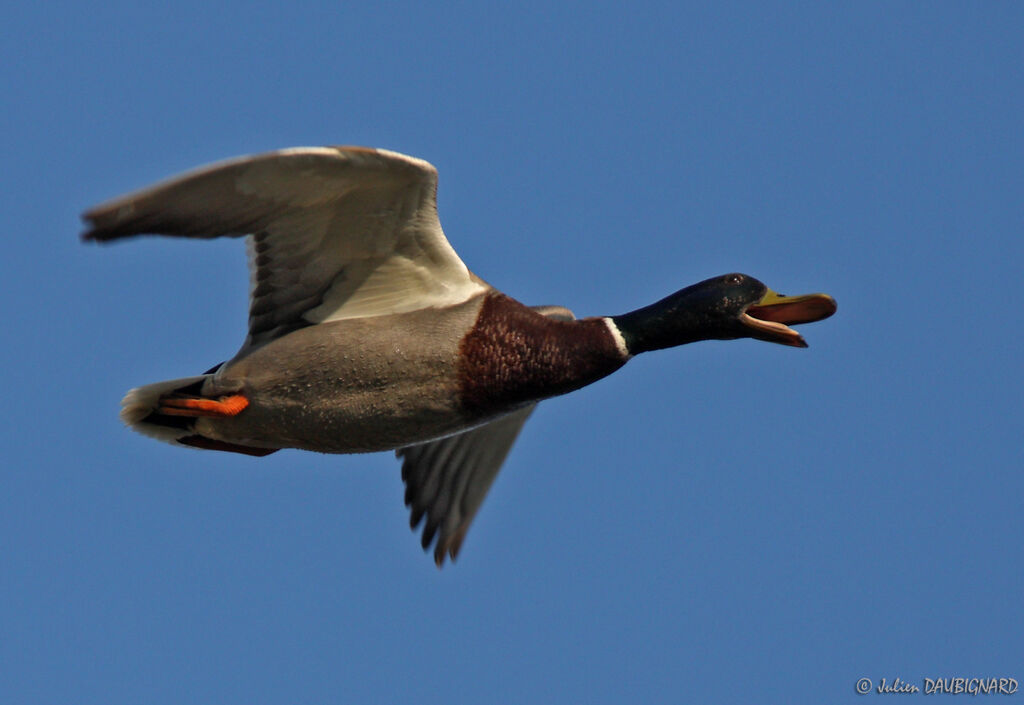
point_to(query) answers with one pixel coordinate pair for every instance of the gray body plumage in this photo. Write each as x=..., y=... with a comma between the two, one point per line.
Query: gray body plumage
x=353, y=386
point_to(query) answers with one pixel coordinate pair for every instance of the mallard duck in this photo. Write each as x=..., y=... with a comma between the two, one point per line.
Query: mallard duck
x=368, y=333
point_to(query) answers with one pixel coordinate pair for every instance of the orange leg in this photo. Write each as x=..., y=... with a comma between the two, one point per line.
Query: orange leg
x=224, y=407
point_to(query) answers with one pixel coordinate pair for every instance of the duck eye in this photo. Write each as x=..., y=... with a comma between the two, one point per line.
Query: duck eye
x=734, y=279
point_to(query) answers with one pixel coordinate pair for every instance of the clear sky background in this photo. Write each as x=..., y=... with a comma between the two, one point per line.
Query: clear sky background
x=724, y=522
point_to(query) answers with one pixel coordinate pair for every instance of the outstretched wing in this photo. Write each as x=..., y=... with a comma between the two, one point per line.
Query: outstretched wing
x=446, y=480
x=336, y=232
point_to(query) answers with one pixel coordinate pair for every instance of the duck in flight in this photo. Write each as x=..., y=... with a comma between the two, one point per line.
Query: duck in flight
x=368, y=333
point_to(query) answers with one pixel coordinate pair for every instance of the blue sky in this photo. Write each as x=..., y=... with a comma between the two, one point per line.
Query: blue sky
x=723, y=522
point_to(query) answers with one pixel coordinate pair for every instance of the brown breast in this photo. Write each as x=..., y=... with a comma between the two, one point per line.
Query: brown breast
x=514, y=355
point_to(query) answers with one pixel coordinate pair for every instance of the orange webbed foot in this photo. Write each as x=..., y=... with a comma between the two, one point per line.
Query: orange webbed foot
x=225, y=407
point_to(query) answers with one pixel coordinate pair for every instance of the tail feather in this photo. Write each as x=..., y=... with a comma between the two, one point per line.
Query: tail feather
x=139, y=406
x=140, y=412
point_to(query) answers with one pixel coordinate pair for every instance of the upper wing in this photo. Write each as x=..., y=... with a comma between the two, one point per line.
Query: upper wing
x=446, y=480
x=337, y=232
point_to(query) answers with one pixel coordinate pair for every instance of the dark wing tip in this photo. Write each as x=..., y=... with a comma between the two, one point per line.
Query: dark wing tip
x=421, y=510
x=92, y=232
x=450, y=544
x=105, y=223
x=95, y=235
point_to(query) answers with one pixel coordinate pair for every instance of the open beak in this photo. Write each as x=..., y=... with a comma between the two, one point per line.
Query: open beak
x=769, y=316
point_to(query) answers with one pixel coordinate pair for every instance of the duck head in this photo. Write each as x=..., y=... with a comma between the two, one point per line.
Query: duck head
x=722, y=308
